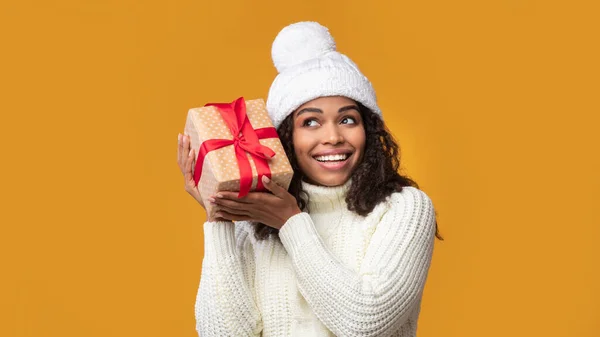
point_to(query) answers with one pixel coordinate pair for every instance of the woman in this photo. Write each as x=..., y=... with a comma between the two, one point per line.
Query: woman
x=346, y=250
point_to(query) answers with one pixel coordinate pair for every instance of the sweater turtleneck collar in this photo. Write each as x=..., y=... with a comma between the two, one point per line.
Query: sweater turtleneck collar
x=324, y=198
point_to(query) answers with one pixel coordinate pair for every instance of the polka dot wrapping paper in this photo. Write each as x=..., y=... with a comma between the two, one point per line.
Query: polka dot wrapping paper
x=220, y=171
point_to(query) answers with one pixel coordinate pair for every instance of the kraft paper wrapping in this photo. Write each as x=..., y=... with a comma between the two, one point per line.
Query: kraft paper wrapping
x=220, y=171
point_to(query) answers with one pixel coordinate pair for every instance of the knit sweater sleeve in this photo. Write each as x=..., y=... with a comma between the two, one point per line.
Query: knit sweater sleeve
x=226, y=299
x=379, y=299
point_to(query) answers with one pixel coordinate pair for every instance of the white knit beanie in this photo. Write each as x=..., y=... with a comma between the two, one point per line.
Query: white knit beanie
x=309, y=67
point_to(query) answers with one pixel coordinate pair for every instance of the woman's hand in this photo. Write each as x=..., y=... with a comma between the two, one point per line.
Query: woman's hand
x=271, y=209
x=186, y=160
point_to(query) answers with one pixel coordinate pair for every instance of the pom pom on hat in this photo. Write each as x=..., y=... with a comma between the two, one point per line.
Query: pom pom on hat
x=310, y=67
x=300, y=42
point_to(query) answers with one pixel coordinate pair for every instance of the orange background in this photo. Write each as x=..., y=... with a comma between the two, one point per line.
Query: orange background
x=495, y=105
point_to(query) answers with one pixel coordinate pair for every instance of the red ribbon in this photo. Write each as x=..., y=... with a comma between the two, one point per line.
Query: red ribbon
x=245, y=139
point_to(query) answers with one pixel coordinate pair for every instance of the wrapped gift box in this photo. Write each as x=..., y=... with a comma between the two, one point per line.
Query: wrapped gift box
x=213, y=126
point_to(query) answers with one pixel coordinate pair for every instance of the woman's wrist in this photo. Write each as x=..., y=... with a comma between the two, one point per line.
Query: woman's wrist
x=284, y=219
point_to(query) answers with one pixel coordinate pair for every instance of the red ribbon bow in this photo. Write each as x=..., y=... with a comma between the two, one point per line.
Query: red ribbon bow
x=245, y=139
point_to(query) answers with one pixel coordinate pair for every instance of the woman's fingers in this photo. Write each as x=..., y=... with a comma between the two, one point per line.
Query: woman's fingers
x=273, y=187
x=187, y=158
x=229, y=195
x=232, y=204
x=190, y=184
x=189, y=161
x=219, y=208
x=179, y=151
x=250, y=198
x=231, y=217
x=183, y=149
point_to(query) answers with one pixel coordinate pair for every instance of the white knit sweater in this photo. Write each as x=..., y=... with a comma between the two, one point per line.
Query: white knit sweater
x=332, y=272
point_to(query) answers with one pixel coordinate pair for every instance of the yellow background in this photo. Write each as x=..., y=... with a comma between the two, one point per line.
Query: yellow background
x=495, y=105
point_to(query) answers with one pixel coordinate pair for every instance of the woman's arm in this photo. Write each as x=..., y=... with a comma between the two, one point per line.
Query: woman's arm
x=226, y=300
x=378, y=299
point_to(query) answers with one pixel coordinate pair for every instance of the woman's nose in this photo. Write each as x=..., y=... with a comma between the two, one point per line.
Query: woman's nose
x=333, y=136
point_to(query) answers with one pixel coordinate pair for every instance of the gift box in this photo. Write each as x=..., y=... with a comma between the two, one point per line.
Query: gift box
x=235, y=144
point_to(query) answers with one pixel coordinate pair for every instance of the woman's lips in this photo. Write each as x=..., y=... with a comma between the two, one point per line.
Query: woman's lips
x=334, y=165
x=332, y=152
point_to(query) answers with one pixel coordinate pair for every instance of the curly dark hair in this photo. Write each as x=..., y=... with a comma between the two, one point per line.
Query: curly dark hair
x=373, y=180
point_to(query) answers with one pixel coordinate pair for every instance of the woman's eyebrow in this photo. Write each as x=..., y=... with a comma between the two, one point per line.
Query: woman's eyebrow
x=309, y=110
x=317, y=110
x=349, y=107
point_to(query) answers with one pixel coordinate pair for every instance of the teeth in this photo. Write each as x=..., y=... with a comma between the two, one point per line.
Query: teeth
x=336, y=157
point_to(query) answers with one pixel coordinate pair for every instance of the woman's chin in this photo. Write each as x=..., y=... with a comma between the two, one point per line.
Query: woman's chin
x=329, y=181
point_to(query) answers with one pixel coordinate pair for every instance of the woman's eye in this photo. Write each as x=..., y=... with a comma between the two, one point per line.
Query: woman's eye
x=348, y=120
x=310, y=122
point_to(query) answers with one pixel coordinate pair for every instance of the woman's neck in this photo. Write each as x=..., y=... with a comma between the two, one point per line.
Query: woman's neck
x=325, y=198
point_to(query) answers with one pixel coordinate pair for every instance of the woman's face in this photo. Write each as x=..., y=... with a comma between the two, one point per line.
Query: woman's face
x=329, y=139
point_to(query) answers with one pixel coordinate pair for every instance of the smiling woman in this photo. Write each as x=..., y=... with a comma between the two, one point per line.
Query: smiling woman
x=374, y=177
x=346, y=250
x=328, y=139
